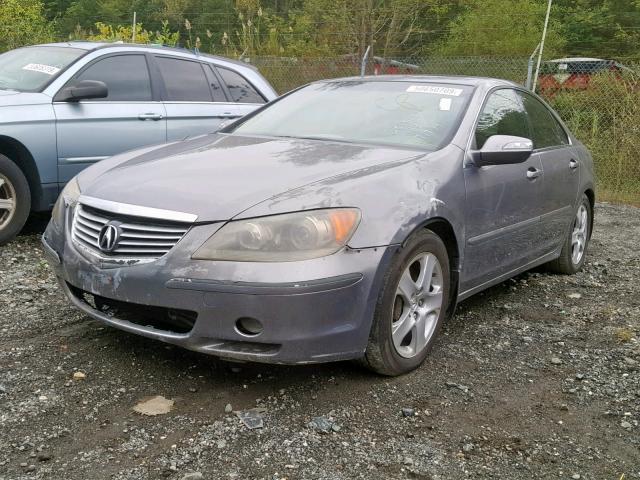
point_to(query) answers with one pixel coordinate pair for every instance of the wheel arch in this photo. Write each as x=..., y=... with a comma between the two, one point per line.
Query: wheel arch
x=20, y=155
x=591, y=195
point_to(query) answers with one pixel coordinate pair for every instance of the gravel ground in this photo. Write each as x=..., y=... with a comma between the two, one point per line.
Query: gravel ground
x=538, y=377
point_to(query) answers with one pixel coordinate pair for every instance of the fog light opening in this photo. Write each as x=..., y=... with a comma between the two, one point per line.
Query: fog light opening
x=249, y=326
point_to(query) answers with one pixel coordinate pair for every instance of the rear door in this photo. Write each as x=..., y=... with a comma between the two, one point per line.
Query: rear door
x=561, y=166
x=130, y=117
x=503, y=201
x=194, y=100
x=246, y=97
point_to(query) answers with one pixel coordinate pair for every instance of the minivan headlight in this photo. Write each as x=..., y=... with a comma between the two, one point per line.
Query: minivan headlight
x=69, y=196
x=282, y=238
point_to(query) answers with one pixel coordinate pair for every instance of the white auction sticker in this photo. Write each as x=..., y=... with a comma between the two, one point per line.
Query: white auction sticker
x=449, y=91
x=445, y=104
x=39, y=67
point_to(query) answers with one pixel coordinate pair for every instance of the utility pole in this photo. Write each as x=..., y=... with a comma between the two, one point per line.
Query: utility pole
x=133, y=35
x=544, y=36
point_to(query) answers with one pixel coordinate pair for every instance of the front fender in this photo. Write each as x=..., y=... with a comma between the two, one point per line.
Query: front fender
x=33, y=126
x=394, y=198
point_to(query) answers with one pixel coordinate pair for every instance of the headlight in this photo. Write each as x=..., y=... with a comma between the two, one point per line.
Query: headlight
x=282, y=238
x=69, y=196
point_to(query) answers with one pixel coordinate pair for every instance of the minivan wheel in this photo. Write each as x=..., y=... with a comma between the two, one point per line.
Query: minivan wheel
x=15, y=200
x=411, y=306
x=574, y=249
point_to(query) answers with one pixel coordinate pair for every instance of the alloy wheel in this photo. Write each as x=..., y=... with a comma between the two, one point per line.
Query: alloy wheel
x=7, y=201
x=579, y=234
x=417, y=304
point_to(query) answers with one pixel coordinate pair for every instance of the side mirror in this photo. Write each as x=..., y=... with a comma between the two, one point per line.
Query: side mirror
x=503, y=150
x=83, y=90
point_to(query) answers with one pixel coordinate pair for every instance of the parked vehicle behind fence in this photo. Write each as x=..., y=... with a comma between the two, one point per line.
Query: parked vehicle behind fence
x=68, y=105
x=576, y=73
x=388, y=200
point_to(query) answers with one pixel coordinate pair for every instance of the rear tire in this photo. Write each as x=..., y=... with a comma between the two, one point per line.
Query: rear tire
x=574, y=249
x=411, y=306
x=15, y=199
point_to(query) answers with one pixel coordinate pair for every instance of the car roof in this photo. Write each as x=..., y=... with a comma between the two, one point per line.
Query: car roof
x=91, y=46
x=446, y=79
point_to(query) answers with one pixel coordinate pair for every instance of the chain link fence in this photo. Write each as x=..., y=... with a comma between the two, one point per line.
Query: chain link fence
x=598, y=100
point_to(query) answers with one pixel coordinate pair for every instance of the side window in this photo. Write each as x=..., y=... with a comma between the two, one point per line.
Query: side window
x=126, y=77
x=503, y=114
x=240, y=89
x=546, y=131
x=184, y=80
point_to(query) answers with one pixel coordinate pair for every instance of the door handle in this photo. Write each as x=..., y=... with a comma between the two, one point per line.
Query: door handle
x=229, y=115
x=573, y=164
x=533, y=173
x=150, y=116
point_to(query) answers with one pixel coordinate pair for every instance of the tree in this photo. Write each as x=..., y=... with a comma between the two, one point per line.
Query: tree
x=596, y=28
x=502, y=28
x=22, y=22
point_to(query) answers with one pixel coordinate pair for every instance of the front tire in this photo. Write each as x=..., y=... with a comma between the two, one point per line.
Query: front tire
x=15, y=199
x=411, y=306
x=574, y=249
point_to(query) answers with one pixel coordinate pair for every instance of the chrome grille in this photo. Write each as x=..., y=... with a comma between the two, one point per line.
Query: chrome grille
x=139, y=238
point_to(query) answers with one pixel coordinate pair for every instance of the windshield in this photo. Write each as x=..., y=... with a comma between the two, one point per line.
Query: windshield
x=411, y=114
x=31, y=69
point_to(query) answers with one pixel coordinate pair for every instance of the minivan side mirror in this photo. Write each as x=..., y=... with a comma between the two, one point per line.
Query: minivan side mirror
x=502, y=150
x=83, y=90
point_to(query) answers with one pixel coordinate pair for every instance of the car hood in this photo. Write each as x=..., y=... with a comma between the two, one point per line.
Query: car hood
x=216, y=177
x=10, y=98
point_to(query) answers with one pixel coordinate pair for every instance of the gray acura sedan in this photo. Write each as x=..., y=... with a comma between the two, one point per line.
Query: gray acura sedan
x=344, y=220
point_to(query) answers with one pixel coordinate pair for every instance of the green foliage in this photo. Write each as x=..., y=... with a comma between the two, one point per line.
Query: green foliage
x=22, y=22
x=606, y=118
x=124, y=33
x=502, y=28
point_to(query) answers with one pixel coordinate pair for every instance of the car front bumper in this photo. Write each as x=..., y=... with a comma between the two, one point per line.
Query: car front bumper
x=311, y=311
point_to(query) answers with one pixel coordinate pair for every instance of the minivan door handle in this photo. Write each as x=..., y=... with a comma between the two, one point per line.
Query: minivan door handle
x=533, y=173
x=150, y=116
x=573, y=164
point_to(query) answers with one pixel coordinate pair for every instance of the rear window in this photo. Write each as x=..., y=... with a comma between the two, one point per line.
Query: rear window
x=240, y=89
x=33, y=68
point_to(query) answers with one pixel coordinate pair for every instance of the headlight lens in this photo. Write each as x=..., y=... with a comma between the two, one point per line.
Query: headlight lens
x=69, y=196
x=282, y=238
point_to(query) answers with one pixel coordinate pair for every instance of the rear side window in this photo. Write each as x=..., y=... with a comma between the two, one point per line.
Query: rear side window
x=184, y=80
x=503, y=114
x=240, y=89
x=545, y=129
x=126, y=76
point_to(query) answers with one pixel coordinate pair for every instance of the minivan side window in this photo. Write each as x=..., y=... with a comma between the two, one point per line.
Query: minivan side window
x=545, y=129
x=502, y=114
x=184, y=80
x=126, y=76
x=240, y=89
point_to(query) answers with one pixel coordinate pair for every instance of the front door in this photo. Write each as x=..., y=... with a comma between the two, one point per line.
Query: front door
x=92, y=130
x=503, y=201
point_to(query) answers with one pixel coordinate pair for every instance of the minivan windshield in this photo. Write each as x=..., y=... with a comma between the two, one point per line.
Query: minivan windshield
x=408, y=113
x=30, y=69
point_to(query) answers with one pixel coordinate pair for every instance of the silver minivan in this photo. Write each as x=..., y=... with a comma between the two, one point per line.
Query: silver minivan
x=65, y=106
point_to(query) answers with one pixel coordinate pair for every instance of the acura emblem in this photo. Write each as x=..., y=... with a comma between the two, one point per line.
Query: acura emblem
x=108, y=238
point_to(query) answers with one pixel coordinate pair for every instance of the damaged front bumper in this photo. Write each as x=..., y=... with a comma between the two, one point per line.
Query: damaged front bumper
x=293, y=312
